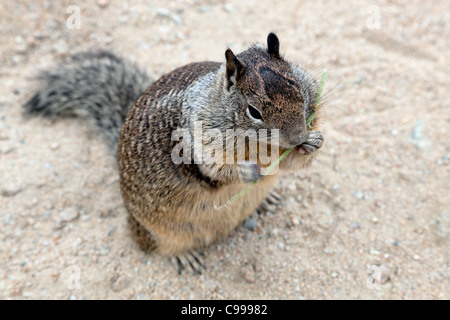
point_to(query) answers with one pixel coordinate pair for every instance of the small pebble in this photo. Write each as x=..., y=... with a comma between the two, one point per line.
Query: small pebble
x=19, y=39
x=334, y=274
x=12, y=189
x=7, y=218
x=47, y=214
x=38, y=36
x=274, y=232
x=54, y=145
x=375, y=252
x=144, y=46
x=250, y=224
x=5, y=149
x=416, y=257
x=170, y=14
x=295, y=221
x=61, y=47
x=281, y=245
x=229, y=8
x=355, y=225
x=68, y=214
x=164, y=29
x=205, y=9
x=249, y=274
x=417, y=138
x=21, y=48
x=358, y=194
x=120, y=283
x=102, y=3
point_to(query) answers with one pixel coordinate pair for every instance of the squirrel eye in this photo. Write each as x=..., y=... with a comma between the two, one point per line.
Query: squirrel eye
x=253, y=113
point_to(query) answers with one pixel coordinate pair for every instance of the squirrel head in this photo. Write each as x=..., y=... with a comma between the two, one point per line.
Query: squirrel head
x=270, y=92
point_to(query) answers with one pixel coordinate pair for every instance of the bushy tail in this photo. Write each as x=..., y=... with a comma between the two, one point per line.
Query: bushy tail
x=95, y=85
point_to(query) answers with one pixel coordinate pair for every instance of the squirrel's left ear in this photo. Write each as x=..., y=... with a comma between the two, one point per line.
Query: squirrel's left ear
x=273, y=45
x=234, y=68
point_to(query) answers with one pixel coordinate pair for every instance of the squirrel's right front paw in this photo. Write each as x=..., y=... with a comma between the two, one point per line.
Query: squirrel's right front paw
x=249, y=172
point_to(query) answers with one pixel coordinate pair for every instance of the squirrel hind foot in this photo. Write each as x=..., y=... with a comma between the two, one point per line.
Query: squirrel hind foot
x=192, y=260
x=270, y=203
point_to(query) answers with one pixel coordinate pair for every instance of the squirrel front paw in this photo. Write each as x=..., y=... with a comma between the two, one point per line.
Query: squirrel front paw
x=314, y=141
x=249, y=172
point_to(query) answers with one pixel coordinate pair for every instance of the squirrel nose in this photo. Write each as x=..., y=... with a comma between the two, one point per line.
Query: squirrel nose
x=297, y=139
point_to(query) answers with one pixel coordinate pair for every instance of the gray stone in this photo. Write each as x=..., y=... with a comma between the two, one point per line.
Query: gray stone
x=250, y=224
x=417, y=138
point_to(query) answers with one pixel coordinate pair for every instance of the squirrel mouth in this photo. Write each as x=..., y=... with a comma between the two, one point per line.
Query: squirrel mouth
x=301, y=149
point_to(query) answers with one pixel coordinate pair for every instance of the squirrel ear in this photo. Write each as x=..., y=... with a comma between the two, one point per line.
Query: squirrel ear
x=273, y=45
x=234, y=68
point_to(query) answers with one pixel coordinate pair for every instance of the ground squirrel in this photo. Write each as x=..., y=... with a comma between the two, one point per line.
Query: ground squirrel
x=175, y=209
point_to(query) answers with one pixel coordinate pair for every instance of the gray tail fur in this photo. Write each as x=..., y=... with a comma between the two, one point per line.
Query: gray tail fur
x=97, y=86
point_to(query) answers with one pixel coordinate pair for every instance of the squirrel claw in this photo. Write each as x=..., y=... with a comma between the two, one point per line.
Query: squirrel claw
x=270, y=203
x=274, y=198
x=190, y=260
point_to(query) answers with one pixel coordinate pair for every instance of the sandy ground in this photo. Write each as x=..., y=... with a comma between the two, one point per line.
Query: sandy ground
x=376, y=203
